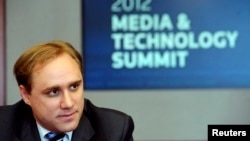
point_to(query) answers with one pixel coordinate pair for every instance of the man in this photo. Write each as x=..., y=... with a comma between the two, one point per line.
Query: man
x=50, y=81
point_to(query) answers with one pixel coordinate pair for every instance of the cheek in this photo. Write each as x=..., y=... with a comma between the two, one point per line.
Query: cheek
x=41, y=109
x=80, y=94
x=46, y=105
x=43, y=104
x=79, y=99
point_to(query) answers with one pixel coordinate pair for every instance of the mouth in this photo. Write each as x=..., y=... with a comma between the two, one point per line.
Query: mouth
x=68, y=116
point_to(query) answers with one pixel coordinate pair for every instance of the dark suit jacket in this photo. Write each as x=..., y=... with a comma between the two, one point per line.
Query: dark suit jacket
x=97, y=124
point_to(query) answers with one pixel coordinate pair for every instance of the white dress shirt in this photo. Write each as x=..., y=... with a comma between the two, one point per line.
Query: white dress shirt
x=42, y=132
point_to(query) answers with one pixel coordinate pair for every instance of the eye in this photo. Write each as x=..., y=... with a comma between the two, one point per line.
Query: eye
x=54, y=92
x=74, y=86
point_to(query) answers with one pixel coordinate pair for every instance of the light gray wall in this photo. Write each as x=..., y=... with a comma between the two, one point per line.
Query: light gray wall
x=158, y=115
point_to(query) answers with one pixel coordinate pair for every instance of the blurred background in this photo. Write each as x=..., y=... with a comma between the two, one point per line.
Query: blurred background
x=159, y=114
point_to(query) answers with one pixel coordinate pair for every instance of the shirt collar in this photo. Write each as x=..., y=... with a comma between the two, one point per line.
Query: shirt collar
x=42, y=132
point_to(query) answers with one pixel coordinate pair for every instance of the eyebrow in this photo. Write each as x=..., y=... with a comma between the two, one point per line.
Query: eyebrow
x=58, y=87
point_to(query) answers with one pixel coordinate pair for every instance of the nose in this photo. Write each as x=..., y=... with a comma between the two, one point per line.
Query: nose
x=66, y=101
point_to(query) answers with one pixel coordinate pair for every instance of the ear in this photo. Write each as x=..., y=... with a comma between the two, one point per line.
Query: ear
x=24, y=94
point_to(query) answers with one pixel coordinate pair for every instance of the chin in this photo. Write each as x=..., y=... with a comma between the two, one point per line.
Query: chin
x=68, y=127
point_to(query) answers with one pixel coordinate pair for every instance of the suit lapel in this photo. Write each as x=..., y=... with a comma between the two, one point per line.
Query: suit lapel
x=26, y=128
x=25, y=124
x=29, y=131
x=84, y=131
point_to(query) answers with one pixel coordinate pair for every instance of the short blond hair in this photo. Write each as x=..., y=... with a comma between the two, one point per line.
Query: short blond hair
x=42, y=54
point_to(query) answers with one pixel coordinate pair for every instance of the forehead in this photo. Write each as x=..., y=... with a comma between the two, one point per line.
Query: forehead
x=60, y=69
x=61, y=59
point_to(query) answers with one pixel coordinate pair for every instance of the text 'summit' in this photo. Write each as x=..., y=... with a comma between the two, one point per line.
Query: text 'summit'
x=144, y=39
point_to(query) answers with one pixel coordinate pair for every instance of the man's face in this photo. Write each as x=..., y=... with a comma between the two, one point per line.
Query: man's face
x=56, y=96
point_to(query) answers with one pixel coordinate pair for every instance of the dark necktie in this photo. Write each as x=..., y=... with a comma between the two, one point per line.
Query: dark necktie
x=54, y=136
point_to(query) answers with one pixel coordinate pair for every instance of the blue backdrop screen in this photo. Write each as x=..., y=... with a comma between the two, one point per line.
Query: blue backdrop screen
x=161, y=44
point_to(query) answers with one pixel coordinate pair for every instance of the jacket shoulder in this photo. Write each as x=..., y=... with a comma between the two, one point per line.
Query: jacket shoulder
x=11, y=116
x=112, y=123
x=10, y=112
